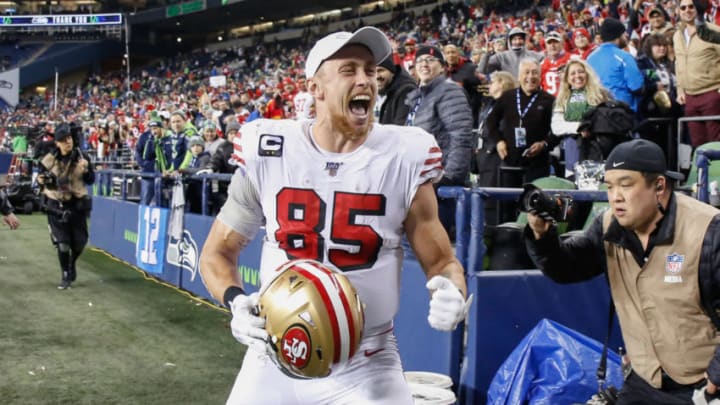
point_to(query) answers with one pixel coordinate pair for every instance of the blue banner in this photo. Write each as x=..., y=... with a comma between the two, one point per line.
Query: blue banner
x=152, y=233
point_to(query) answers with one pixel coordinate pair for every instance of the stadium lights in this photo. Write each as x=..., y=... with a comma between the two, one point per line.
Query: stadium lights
x=179, y=39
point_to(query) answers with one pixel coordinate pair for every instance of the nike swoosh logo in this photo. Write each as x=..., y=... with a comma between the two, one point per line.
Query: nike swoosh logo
x=369, y=353
x=616, y=164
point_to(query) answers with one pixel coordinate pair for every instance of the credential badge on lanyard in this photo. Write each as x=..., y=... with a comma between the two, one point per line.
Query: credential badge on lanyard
x=520, y=133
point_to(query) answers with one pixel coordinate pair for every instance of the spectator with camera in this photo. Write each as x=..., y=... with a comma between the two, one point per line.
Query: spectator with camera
x=659, y=251
x=65, y=173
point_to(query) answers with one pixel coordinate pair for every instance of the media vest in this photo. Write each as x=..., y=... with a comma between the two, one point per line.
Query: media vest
x=661, y=315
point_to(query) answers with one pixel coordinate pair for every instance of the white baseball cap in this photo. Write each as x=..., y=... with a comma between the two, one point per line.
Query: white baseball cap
x=371, y=37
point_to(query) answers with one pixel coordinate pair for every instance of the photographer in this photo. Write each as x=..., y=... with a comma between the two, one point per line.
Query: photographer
x=64, y=175
x=660, y=252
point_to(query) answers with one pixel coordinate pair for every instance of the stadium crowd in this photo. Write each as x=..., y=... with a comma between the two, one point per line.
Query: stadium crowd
x=193, y=104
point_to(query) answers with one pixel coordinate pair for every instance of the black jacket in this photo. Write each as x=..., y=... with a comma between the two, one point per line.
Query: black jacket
x=394, y=110
x=444, y=111
x=582, y=257
x=536, y=122
x=220, y=160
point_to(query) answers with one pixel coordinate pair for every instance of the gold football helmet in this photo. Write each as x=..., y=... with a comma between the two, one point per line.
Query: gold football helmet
x=314, y=319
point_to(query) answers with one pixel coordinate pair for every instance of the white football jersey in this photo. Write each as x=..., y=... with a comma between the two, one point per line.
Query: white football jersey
x=343, y=209
x=302, y=105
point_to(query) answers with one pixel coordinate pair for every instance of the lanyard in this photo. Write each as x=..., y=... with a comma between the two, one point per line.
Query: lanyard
x=411, y=115
x=527, y=107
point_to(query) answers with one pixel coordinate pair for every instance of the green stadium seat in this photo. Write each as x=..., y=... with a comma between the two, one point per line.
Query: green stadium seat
x=714, y=168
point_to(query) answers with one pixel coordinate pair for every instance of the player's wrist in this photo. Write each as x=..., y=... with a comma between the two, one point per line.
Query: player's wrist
x=231, y=293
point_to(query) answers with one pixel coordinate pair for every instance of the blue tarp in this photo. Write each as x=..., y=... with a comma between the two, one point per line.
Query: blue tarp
x=553, y=365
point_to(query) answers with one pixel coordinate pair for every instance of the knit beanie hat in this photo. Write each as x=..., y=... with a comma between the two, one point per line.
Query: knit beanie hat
x=388, y=63
x=432, y=51
x=611, y=29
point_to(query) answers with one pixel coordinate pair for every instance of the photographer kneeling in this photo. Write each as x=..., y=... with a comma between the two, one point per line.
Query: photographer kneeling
x=660, y=252
x=64, y=175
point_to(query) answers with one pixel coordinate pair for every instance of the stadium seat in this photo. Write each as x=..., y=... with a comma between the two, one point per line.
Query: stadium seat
x=714, y=168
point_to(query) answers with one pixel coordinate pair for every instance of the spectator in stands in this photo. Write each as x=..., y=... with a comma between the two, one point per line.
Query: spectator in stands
x=146, y=158
x=174, y=145
x=519, y=126
x=222, y=162
x=394, y=84
x=212, y=140
x=616, y=68
x=6, y=211
x=697, y=65
x=303, y=103
x=437, y=107
x=583, y=43
x=659, y=97
x=408, y=59
x=338, y=71
x=509, y=60
x=198, y=159
x=580, y=90
x=462, y=71
x=440, y=107
x=658, y=20
x=497, y=45
x=553, y=63
x=486, y=159
x=659, y=251
x=19, y=142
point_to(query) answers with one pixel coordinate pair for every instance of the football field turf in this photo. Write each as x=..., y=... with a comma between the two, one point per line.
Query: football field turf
x=116, y=337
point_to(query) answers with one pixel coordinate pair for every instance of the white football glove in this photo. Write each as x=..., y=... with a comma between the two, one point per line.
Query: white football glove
x=248, y=328
x=447, y=305
x=700, y=397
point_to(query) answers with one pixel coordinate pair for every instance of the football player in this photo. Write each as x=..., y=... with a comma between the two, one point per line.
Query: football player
x=341, y=190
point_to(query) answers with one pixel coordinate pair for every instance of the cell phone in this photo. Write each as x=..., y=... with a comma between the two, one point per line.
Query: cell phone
x=526, y=152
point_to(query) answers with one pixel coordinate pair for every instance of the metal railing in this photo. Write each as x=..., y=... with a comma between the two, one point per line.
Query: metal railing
x=105, y=182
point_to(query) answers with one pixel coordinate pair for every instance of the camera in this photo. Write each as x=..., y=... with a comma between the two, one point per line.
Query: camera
x=555, y=207
x=50, y=181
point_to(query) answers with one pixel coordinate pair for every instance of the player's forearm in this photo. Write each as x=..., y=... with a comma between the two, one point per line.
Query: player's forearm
x=218, y=260
x=218, y=273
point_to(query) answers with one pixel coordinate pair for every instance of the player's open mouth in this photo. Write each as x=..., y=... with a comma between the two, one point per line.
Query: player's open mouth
x=360, y=104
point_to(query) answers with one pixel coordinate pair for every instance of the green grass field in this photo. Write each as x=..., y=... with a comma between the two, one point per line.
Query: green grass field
x=116, y=337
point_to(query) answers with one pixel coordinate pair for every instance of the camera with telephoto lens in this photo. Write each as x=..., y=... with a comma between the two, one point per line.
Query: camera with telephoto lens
x=50, y=181
x=550, y=207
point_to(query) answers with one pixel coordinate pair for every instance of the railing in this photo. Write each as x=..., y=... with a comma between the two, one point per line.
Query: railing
x=682, y=120
x=105, y=182
x=702, y=161
x=470, y=245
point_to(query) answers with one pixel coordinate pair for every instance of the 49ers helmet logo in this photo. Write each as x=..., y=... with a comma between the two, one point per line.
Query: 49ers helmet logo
x=296, y=346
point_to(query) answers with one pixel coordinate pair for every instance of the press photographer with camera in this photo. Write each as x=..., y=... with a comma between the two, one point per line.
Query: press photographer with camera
x=65, y=172
x=660, y=252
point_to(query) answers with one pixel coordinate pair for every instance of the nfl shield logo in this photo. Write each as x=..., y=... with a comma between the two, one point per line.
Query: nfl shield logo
x=332, y=168
x=673, y=263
